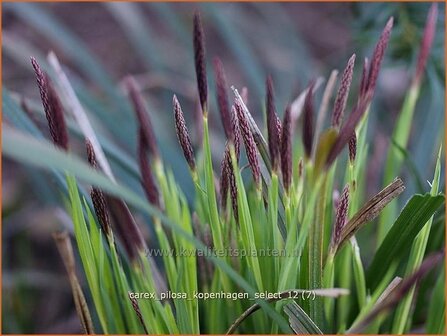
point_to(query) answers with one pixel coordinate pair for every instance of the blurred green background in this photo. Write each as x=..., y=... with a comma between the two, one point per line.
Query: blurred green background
x=100, y=43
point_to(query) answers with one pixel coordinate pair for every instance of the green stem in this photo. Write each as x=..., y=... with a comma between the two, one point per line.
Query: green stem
x=316, y=255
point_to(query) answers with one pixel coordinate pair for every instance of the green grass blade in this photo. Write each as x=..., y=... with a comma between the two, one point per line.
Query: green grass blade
x=415, y=259
x=398, y=241
x=44, y=155
x=86, y=250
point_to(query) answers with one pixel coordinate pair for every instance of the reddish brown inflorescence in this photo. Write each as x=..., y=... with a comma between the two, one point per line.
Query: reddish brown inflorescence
x=183, y=134
x=427, y=41
x=142, y=116
x=272, y=125
x=147, y=178
x=286, y=149
x=341, y=216
x=308, y=121
x=343, y=93
x=222, y=97
x=250, y=145
x=200, y=61
x=98, y=198
x=52, y=106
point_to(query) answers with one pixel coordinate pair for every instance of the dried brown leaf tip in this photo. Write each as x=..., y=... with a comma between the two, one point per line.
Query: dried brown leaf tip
x=340, y=218
x=369, y=211
x=182, y=134
x=98, y=198
x=343, y=93
x=52, y=106
x=427, y=41
x=377, y=56
x=286, y=149
x=222, y=97
x=272, y=125
x=250, y=145
x=200, y=61
x=308, y=121
x=147, y=179
x=142, y=115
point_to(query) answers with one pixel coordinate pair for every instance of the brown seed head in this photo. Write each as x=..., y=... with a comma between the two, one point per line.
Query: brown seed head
x=286, y=149
x=377, y=57
x=308, y=122
x=340, y=217
x=279, y=127
x=52, y=107
x=101, y=209
x=98, y=198
x=272, y=125
x=91, y=156
x=370, y=210
x=200, y=61
x=352, y=145
x=343, y=92
x=137, y=310
x=236, y=132
x=228, y=182
x=222, y=97
x=224, y=181
x=126, y=227
x=250, y=145
x=427, y=41
x=182, y=134
x=142, y=115
x=233, y=187
x=348, y=128
x=147, y=179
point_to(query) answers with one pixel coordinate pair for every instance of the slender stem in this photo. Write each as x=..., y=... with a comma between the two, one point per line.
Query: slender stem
x=316, y=254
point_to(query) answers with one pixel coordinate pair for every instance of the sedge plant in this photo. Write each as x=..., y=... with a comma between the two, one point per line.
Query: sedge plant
x=266, y=252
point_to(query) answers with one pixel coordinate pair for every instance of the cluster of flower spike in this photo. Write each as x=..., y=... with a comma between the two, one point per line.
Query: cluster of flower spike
x=236, y=119
x=238, y=125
